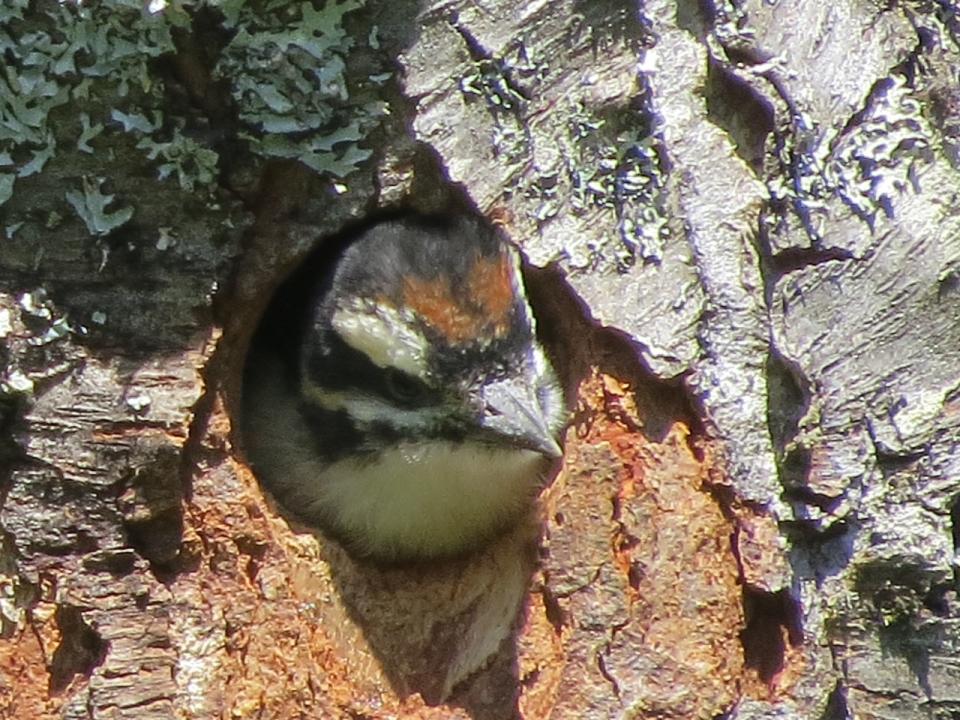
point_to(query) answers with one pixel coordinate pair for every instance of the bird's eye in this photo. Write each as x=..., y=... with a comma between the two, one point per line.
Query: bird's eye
x=403, y=388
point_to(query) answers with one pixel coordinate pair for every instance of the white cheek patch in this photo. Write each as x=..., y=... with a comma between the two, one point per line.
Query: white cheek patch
x=366, y=409
x=385, y=336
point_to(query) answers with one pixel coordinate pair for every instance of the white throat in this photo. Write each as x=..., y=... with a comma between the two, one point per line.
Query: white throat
x=423, y=499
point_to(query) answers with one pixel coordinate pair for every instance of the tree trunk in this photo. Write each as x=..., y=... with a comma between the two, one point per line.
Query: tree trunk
x=743, y=227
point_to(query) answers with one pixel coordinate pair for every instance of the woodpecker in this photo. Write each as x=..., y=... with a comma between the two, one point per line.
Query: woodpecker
x=404, y=405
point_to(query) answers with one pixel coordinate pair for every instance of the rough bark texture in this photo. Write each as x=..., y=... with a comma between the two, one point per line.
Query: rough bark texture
x=743, y=224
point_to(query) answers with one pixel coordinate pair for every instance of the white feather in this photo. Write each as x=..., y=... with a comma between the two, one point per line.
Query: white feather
x=429, y=499
x=383, y=334
x=365, y=408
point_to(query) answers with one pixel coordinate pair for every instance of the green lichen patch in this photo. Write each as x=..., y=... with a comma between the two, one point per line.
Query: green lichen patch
x=77, y=75
x=92, y=207
x=33, y=335
x=878, y=161
x=286, y=68
x=612, y=160
x=502, y=83
x=194, y=165
x=868, y=166
x=619, y=166
x=56, y=54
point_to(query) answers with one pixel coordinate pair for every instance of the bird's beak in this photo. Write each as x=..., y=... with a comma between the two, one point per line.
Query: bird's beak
x=511, y=410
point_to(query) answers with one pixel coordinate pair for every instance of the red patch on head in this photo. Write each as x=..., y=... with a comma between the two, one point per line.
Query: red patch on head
x=485, y=310
x=491, y=286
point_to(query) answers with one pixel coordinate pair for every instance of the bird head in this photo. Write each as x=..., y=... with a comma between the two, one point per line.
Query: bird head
x=424, y=332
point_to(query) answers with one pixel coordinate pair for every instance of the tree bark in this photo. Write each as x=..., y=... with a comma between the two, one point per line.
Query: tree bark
x=742, y=221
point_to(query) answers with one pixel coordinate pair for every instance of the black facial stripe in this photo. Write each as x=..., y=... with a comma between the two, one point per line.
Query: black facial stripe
x=330, y=363
x=334, y=434
x=338, y=436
